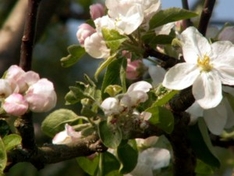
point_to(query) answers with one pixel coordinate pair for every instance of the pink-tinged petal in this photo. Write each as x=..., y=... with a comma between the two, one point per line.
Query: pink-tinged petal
x=207, y=90
x=194, y=45
x=15, y=105
x=181, y=76
x=216, y=118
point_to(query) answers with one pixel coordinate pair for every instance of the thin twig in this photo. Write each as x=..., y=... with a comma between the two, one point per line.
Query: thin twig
x=29, y=35
x=205, y=16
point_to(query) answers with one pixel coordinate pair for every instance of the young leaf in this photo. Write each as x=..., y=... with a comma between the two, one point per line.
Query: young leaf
x=109, y=164
x=11, y=141
x=128, y=158
x=110, y=77
x=75, y=53
x=162, y=100
x=74, y=95
x=56, y=121
x=104, y=65
x=162, y=118
x=113, y=39
x=110, y=136
x=201, y=144
x=151, y=39
x=3, y=157
x=170, y=15
x=88, y=165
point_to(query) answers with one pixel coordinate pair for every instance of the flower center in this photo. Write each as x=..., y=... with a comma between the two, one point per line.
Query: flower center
x=204, y=63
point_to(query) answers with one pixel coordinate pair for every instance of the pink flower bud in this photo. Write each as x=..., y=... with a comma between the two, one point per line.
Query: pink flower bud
x=84, y=31
x=96, y=10
x=41, y=96
x=134, y=69
x=15, y=105
x=19, y=79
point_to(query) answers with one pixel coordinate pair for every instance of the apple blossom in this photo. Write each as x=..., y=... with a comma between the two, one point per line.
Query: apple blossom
x=111, y=106
x=95, y=46
x=15, y=105
x=207, y=67
x=84, y=31
x=66, y=136
x=128, y=15
x=19, y=79
x=149, y=160
x=96, y=10
x=41, y=96
x=157, y=74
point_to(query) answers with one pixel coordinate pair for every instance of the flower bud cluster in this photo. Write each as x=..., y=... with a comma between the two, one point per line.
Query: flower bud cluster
x=22, y=91
x=125, y=104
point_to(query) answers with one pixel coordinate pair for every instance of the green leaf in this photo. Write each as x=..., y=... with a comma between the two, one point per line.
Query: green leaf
x=109, y=164
x=170, y=15
x=111, y=136
x=161, y=117
x=111, y=75
x=113, y=90
x=88, y=165
x=4, y=128
x=104, y=65
x=74, y=95
x=203, y=169
x=201, y=144
x=128, y=156
x=162, y=100
x=11, y=141
x=3, y=156
x=75, y=53
x=113, y=39
x=56, y=121
x=152, y=39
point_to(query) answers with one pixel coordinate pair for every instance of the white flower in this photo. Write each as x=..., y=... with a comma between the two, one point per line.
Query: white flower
x=149, y=160
x=217, y=119
x=96, y=47
x=111, y=106
x=207, y=67
x=128, y=15
x=41, y=96
x=66, y=136
x=5, y=88
x=157, y=74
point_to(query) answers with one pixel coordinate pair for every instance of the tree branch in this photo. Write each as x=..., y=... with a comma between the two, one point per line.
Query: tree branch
x=29, y=35
x=186, y=23
x=205, y=16
x=50, y=153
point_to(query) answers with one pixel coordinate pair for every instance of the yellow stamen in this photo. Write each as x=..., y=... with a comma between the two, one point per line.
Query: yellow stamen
x=204, y=63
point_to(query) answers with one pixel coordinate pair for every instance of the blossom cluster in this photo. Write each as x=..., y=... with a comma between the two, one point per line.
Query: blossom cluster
x=125, y=17
x=22, y=91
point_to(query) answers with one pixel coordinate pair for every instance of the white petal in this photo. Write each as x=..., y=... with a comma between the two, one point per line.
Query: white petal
x=181, y=76
x=194, y=45
x=216, y=118
x=195, y=111
x=226, y=74
x=207, y=90
x=140, y=86
x=157, y=74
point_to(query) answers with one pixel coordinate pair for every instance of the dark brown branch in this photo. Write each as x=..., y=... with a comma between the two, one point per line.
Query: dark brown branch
x=184, y=159
x=50, y=153
x=205, y=16
x=29, y=35
x=167, y=61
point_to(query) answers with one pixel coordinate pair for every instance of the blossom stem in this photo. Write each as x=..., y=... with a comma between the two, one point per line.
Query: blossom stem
x=29, y=35
x=205, y=16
